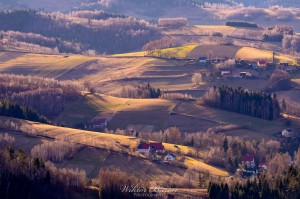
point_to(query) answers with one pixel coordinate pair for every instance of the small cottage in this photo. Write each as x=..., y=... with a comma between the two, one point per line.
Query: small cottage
x=287, y=133
x=169, y=157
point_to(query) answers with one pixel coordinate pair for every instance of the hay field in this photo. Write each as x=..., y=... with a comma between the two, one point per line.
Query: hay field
x=248, y=53
x=214, y=51
x=177, y=52
x=40, y=64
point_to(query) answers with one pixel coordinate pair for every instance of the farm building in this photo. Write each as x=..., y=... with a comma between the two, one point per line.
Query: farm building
x=153, y=146
x=99, y=123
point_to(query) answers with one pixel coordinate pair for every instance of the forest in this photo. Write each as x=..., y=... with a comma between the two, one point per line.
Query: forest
x=256, y=104
x=11, y=109
x=47, y=96
x=78, y=31
x=286, y=187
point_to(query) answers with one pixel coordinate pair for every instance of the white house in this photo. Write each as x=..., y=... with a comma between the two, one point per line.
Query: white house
x=248, y=161
x=287, y=132
x=144, y=148
x=169, y=157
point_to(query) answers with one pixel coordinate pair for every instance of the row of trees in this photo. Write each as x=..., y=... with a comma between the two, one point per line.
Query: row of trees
x=261, y=105
x=172, y=22
x=291, y=43
x=140, y=91
x=55, y=151
x=286, y=187
x=26, y=177
x=11, y=109
x=277, y=33
x=48, y=96
x=79, y=31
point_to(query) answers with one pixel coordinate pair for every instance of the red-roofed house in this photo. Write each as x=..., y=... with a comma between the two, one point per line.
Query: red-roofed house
x=248, y=161
x=262, y=63
x=157, y=146
x=99, y=123
x=144, y=148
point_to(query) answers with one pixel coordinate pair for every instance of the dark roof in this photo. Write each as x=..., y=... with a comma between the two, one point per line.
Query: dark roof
x=262, y=62
x=247, y=158
x=157, y=146
x=202, y=58
x=143, y=146
x=99, y=121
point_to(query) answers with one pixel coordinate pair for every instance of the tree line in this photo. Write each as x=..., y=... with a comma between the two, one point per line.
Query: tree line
x=286, y=187
x=256, y=104
x=11, y=109
x=48, y=97
x=26, y=177
x=79, y=31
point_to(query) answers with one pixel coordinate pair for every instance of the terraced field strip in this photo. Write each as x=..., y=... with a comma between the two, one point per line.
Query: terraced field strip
x=60, y=67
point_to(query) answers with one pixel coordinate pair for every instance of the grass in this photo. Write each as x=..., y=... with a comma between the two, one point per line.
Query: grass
x=52, y=66
x=177, y=52
x=117, y=143
x=256, y=128
x=122, y=111
x=132, y=54
x=59, y=68
x=248, y=53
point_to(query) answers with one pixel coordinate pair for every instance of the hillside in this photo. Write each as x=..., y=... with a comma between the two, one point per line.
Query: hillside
x=115, y=143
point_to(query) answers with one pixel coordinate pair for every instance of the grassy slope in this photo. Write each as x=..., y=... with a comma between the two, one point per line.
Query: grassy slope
x=41, y=65
x=118, y=143
x=123, y=111
x=248, y=53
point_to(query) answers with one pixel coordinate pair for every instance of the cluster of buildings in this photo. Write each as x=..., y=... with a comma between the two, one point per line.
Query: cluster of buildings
x=156, y=150
x=249, y=166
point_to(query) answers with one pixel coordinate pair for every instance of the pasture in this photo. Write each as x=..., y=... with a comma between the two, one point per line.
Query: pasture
x=248, y=53
x=112, y=142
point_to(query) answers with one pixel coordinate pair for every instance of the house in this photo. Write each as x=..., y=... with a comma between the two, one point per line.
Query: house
x=202, y=60
x=284, y=64
x=169, y=157
x=144, y=148
x=243, y=74
x=287, y=133
x=262, y=63
x=131, y=132
x=248, y=161
x=99, y=123
x=157, y=146
x=148, y=147
x=225, y=73
x=262, y=166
